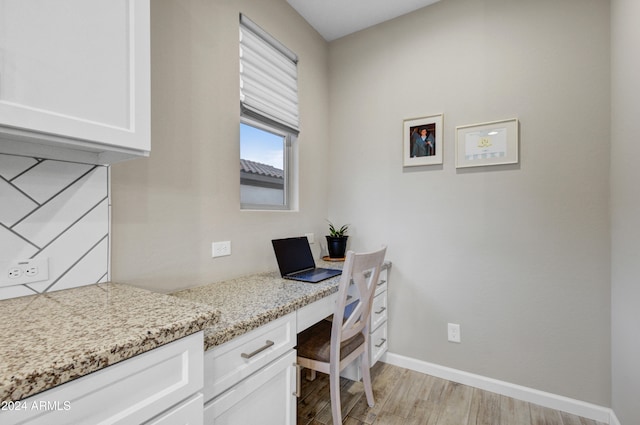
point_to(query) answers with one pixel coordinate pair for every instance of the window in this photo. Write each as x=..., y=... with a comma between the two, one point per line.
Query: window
x=264, y=154
x=268, y=119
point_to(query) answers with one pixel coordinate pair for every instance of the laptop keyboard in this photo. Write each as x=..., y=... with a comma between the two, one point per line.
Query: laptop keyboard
x=305, y=275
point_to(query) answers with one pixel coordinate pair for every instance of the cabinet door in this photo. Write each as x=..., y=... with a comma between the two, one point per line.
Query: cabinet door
x=265, y=398
x=73, y=71
x=186, y=413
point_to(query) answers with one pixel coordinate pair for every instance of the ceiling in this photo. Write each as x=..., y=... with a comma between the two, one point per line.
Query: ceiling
x=336, y=18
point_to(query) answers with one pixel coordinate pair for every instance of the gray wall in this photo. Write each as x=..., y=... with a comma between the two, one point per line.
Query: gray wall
x=519, y=256
x=625, y=209
x=169, y=208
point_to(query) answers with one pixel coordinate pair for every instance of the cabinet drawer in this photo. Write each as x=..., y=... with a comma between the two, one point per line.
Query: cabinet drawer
x=265, y=398
x=129, y=392
x=378, y=343
x=382, y=281
x=378, y=311
x=229, y=363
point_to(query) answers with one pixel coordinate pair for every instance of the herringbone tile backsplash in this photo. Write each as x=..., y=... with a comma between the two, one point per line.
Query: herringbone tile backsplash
x=58, y=210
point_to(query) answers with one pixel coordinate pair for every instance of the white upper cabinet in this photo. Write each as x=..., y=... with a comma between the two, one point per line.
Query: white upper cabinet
x=74, y=79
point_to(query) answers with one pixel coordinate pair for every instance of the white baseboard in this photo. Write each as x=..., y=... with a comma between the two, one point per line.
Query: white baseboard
x=614, y=419
x=553, y=401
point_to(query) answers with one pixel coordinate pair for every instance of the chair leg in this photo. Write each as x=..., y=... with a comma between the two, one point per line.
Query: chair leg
x=311, y=375
x=334, y=388
x=366, y=378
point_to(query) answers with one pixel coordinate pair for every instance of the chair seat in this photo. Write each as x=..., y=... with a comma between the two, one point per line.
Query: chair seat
x=315, y=342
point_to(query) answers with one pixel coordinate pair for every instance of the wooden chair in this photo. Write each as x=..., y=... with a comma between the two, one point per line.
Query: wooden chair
x=330, y=346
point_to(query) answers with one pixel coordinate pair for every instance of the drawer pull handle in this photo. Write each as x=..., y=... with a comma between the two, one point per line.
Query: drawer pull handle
x=297, y=393
x=381, y=310
x=264, y=347
x=382, y=341
x=382, y=282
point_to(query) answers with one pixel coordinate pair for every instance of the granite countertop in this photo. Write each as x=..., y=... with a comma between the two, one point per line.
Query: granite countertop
x=248, y=302
x=49, y=339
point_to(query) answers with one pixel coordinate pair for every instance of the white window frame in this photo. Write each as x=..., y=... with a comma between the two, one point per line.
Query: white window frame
x=269, y=100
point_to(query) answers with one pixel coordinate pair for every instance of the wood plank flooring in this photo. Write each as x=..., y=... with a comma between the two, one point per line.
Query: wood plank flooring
x=405, y=397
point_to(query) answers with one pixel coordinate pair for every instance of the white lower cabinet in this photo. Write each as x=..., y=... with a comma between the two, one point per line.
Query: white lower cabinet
x=251, y=379
x=187, y=413
x=161, y=386
x=265, y=398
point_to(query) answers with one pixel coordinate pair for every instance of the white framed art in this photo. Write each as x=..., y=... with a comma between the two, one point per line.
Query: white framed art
x=491, y=143
x=422, y=141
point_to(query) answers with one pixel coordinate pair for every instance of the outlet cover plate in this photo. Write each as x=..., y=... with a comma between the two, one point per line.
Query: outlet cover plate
x=19, y=272
x=220, y=249
x=453, y=332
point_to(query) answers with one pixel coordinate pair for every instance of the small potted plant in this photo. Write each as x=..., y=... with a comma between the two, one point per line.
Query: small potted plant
x=337, y=241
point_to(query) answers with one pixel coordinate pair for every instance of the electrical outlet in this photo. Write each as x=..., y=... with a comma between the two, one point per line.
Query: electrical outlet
x=19, y=272
x=310, y=237
x=221, y=249
x=31, y=271
x=453, y=332
x=15, y=272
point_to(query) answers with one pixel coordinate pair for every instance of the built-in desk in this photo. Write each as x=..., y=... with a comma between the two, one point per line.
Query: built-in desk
x=248, y=302
x=250, y=355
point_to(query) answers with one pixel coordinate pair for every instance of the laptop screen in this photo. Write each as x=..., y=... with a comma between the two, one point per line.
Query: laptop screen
x=293, y=254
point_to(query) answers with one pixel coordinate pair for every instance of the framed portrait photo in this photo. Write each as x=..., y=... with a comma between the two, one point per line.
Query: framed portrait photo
x=491, y=143
x=422, y=141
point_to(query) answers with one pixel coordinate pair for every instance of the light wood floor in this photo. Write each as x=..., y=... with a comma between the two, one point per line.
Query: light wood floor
x=405, y=397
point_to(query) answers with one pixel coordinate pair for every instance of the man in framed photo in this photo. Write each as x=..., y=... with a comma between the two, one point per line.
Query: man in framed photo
x=424, y=144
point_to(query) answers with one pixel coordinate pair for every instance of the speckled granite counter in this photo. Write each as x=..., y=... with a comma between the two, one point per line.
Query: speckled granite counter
x=251, y=301
x=49, y=339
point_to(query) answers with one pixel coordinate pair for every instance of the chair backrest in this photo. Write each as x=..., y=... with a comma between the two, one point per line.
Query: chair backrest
x=364, y=271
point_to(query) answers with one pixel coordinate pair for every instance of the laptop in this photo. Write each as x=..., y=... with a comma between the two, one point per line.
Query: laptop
x=296, y=261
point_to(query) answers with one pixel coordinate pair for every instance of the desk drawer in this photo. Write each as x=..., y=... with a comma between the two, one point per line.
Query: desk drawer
x=378, y=344
x=229, y=363
x=312, y=313
x=378, y=311
x=382, y=281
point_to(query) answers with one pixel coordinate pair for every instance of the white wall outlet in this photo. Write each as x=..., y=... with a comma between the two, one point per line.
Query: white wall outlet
x=453, y=332
x=310, y=237
x=221, y=249
x=19, y=272
x=32, y=271
x=14, y=272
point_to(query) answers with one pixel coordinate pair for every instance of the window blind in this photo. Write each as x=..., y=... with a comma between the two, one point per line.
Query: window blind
x=268, y=77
